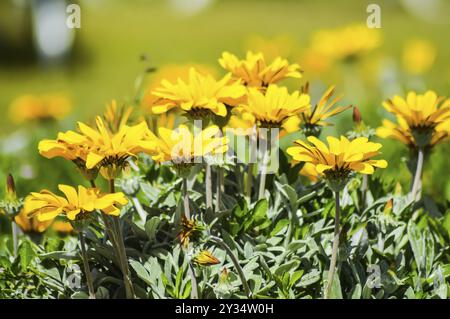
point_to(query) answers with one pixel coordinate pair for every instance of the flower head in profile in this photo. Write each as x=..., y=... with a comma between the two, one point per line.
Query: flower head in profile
x=314, y=118
x=110, y=151
x=206, y=258
x=183, y=148
x=255, y=72
x=346, y=43
x=31, y=224
x=199, y=97
x=273, y=108
x=336, y=161
x=75, y=204
x=420, y=114
x=11, y=204
x=40, y=107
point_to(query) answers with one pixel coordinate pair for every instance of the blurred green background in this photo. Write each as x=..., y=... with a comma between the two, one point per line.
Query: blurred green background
x=106, y=62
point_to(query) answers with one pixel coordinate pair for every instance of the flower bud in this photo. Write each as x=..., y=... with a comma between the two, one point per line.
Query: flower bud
x=10, y=187
x=205, y=258
x=357, y=119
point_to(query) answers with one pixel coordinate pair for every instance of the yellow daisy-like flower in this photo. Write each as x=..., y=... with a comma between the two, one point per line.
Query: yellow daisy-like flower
x=116, y=117
x=110, y=151
x=255, y=72
x=421, y=113
x=346, y=43
x=309, y=170
x=339, y=159
x=171, y=73
x=273, y=108
x=398, y=131
x=181, y=147
x=40, y=107
x=315, y=117
x=200, y=96
x=31, y=224
x=74, y=205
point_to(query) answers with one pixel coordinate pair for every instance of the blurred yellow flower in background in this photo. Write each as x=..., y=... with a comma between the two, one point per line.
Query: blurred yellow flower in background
x=200, y=96
x=254, y=71
x=31, y=224
x=75, y=205
x=309, y=170
x=346, y=43
x=271, y=48
x=40, y=107
x=339, y=159
x=418, y=56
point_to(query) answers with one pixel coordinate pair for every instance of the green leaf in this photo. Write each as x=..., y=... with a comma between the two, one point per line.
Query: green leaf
x=151, y=227
x=141, y=272
x=281, y=224
x=26, y=254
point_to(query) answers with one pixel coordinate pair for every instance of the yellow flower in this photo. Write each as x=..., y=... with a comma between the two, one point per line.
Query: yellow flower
x=346, y=43
x=31, y=224
x=110, y=151
x=62, y=227
x=315, y=117
x=418, y=56
x=171, y=73
x=421, y=113
x=255, y=72
x=39, y=107
x=273, y=108
x=339, y=159
x=74, y=205
x=206, y=258
x=180, y=146
x=398, y=131
x=200, y=96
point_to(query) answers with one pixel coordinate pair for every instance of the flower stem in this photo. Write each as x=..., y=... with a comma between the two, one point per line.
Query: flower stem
x=15, y=237
x=220, y=188
x=248, y=185
x=415, y=193
x=262, y=179
x=187, y=209
x=334, y=252
x=87, y=270
x=187, y=213
x=235, y=261
x=208, y=185
x=129, y=289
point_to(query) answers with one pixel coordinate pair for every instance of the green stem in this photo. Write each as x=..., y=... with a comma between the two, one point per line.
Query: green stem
x=129, y=289
x=415, y=193
x=208, y=185
x=235, y=261
x=249, y=184
x=220, y=188
x=262, y=179
x=334, y=252
x=187, y=209
x=87, y=270
x=15, y=237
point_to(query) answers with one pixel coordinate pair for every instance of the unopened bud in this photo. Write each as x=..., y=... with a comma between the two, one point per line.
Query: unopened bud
x=357, y=119
x=10, y=186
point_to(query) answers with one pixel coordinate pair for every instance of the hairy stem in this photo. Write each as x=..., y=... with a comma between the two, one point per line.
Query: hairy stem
x=249, y=184
x=263, y=175
x=235, y=261
x=415, y=193
x=220, y=188
x=334, y=252
x=87, y=270
x=15, y=237
x=187, y=209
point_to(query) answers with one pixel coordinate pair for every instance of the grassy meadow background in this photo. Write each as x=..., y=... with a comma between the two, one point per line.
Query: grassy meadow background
x=114, y=34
